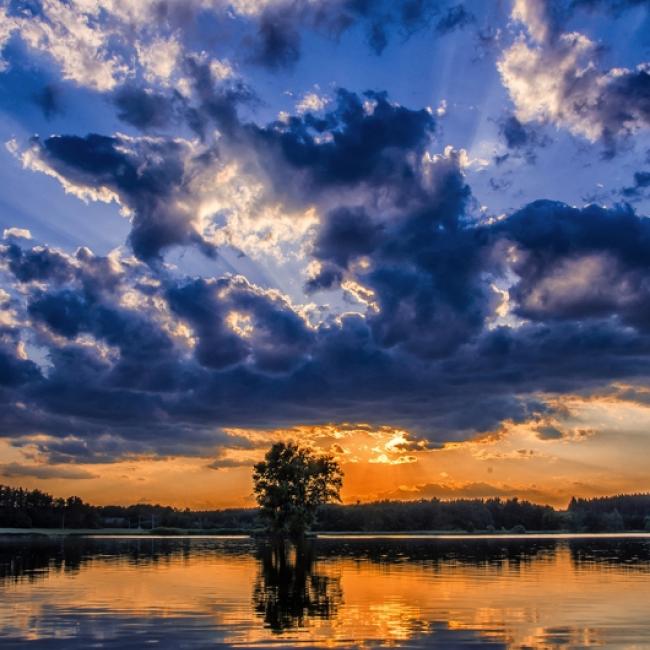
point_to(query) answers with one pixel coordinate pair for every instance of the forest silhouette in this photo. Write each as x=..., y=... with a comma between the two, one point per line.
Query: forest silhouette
x=22, y=508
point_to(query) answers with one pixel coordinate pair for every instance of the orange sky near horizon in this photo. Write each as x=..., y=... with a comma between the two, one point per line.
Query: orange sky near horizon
x=598, y=447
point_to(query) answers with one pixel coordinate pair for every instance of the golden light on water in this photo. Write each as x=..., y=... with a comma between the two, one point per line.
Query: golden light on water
x=542, y=596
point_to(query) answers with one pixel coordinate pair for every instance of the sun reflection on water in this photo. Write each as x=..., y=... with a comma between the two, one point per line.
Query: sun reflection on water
x=352, y=593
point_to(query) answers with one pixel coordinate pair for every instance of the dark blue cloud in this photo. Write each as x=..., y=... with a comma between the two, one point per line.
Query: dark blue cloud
x=455, y=17
x=65, y=312
x=140, y=360
x=364, y=141
x=412, y=363
x=148, y=175
x=48, y=99
x=578, y=264
x=625, y=100
x=425, y=343
x=37, y=264
x=422, y=267
x=347, y=233
x=146, y=110
x=521, y=139
x=375, y=144
x=514, y=132
x=641, y=182
x=218, y=346
x=210, y=102
x=269, y=336
x=15, y=371
x=277, y=38
x=216, y=103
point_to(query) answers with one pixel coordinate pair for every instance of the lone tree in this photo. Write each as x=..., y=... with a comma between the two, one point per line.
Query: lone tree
x=291, y=483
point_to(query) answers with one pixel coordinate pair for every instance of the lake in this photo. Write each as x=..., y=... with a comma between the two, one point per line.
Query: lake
x=350, y=592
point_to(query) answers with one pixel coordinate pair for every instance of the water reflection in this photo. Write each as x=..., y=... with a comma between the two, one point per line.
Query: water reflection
x=189, y=593
x=289, y=587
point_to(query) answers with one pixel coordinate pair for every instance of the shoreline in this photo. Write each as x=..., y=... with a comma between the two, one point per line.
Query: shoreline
x=14, y=534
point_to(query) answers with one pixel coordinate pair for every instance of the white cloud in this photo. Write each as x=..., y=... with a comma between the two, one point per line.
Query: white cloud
x=7, y=28
x=221, y=69
x=253, y=7
x=71, y=34
x=539, y=78
x=226, y=203
x=555, y=77
x=21, y=233
x=100, y=43
x=249, y=221
x=534, y=15
x=159, y=59
x=312, y=102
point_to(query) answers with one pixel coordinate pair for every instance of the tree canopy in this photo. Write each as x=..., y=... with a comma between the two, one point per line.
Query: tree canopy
x=290, y=485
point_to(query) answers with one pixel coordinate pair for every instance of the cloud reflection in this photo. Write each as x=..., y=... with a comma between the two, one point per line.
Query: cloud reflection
x=342, y=593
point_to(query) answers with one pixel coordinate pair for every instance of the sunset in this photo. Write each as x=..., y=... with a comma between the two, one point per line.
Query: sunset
x=298, y=269
x=602, y=450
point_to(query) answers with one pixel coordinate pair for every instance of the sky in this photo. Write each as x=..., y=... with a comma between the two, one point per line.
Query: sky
x=412, y=234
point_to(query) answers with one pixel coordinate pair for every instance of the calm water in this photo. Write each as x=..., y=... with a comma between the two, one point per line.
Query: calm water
x=204, y=593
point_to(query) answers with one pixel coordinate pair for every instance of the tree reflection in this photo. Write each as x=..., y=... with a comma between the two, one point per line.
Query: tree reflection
x=289, y=589
x=634, y=554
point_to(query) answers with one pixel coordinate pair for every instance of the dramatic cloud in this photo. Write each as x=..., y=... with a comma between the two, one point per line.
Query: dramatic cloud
x=580, y=264
x=364, y=140
x=556, y=77
x=235, y=323
x=150, y=178
x=347, y=271
x=101, y=45
x=177, y=359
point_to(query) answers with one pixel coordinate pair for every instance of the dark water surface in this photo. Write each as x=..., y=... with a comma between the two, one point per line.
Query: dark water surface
x=205, y=593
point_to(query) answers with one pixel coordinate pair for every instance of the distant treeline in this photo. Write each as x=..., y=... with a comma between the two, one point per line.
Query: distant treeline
x=606, y=514
x=21, y=508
